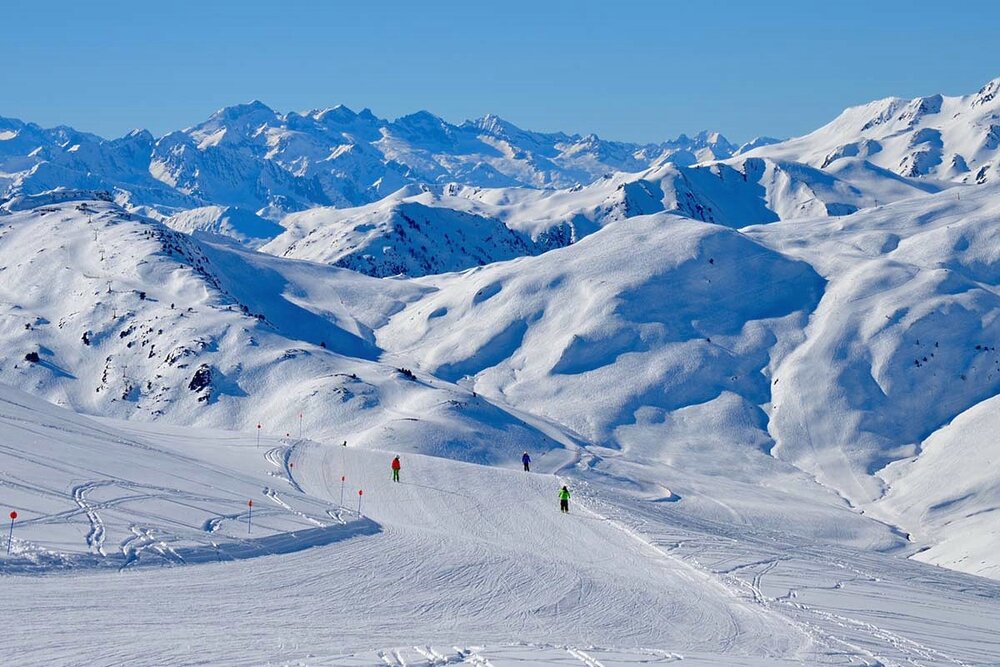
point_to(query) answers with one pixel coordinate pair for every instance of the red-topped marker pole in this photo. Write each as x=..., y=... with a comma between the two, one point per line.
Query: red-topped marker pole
x=249, y=515
x=258, y=436
x=360, y=493
x=300, y=426
x=343, y=478
x=10, y=537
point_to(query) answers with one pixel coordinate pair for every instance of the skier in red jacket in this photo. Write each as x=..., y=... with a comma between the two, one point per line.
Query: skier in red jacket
x=395, y=469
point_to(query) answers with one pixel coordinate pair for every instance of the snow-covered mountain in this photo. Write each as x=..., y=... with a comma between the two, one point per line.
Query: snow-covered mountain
x=874, y=154
x=113, y=314
x=421, y=230
x=661, y=367
x=226, y=222
x=936, y=138
x=835, y=344
x=769, y=375
x=689, y=340
x=248, y=164
x=251, y=157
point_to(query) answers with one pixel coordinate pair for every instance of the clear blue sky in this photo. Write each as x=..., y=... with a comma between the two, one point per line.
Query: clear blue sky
x=637, y=70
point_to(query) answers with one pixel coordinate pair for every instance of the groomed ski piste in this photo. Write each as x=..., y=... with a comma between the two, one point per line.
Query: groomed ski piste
x=768, y=375
x=458, y=563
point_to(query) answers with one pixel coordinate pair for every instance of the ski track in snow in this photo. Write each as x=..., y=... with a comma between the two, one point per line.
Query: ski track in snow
x=459, y=550
x=281, y=457
x=95, y=536
x=830, y=629
x=584, y=658
x=734, y=618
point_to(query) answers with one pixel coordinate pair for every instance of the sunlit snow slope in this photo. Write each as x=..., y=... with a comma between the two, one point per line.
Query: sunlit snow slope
x=456, y=564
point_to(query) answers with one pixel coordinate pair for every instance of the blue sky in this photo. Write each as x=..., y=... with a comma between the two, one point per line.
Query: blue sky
x=636, y=70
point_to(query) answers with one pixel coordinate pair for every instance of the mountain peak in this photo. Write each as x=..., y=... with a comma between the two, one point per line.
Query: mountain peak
x=420, y=117
x=338, y=113
x=710, y=138
x=423, y=126
x=491, y=124
x=252, y=108
x=987, y=93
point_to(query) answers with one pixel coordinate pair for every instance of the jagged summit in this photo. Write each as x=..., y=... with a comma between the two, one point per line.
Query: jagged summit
x=250, y=157
x=237, y=111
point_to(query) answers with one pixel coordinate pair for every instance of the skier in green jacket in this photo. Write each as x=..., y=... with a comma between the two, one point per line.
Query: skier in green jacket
x=564, y=500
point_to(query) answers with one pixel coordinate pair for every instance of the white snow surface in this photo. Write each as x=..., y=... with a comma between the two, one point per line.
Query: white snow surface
x=250, y=157
x=769, y=376
x=219, y=222
x=458, y=563
x=940, y=138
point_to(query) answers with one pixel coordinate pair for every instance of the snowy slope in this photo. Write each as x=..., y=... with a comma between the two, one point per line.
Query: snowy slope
x=220, y=223
x=90, y=495
x=935, y=138
x=949, y=492
x=903, y=340
x=132, y=319
x=419, y=231
x=659, y=340
x=652, y=338
x=458, y=564
x=653, y=297
x=670, y=342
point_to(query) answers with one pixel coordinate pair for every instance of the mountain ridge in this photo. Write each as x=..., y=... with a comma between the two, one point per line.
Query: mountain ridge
x=250, y=156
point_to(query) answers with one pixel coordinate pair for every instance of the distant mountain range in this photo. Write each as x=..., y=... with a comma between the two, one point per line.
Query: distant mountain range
x=870, y=155
x=418, y=195
x=251, y=157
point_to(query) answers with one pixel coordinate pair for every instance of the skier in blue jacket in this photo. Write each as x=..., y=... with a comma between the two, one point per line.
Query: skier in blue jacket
x=525, y=459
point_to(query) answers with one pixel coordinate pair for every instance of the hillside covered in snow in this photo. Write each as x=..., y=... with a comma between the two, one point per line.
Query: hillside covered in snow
x=871, y=155
x=768, y=375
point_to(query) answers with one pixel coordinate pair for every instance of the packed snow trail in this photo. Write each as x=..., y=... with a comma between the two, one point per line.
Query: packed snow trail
x=496, y=536
x=474, y=556
x=466, y=553
x=457, y=554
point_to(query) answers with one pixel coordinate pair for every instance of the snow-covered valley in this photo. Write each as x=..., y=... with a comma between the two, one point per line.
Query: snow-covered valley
x=768, y=376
